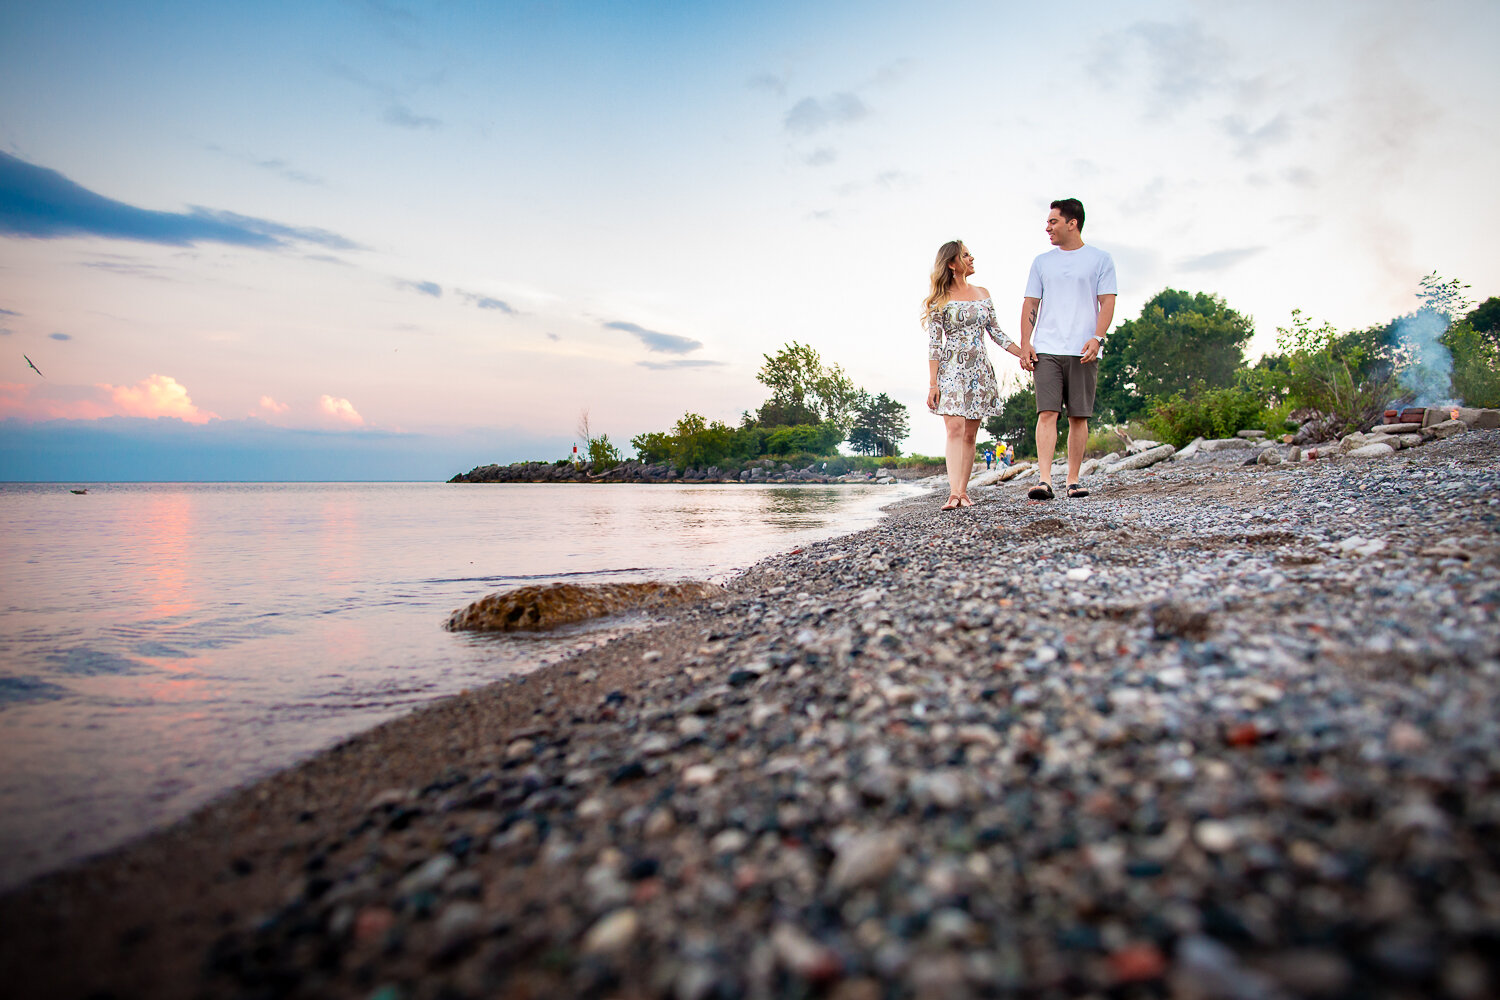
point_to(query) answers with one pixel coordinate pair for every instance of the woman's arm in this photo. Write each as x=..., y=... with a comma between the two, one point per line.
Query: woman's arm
x=934, y=357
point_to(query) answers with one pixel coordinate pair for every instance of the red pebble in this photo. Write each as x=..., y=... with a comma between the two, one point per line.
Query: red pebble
x=1137, y=963
x=1243, y=735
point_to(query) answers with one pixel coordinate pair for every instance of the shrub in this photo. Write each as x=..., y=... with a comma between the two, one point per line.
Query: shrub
x=1349, y=376
x=1214, y=413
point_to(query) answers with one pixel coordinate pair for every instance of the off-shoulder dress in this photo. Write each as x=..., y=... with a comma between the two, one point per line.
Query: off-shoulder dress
x=955, y=340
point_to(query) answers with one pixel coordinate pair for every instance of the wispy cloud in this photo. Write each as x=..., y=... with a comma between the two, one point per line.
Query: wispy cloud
x=1219, y=260
x=822, y=156
x=664, y=343
x=60, y=336
x=1250, y=141
x=553, y=337
x=272, y=406
x=424, y=287
x=274, y=165
x=665, y=365
x=41, y=203
x=403, y=117
x=486, y=302
x=768, y=81
x=812, y=114
x=8, y=312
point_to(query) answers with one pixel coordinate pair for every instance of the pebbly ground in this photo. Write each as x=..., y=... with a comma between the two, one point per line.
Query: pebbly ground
x=1214, y=731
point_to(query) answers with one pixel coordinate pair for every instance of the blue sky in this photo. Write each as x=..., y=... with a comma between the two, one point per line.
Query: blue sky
x=439, y=226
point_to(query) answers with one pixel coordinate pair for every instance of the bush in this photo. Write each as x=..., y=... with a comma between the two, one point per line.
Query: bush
x=1476, y=365
x=1214, y=413
x=1349, y=376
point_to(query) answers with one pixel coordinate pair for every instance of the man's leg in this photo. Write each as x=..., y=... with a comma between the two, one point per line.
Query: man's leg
x=1078, y=442
x=1046, y=442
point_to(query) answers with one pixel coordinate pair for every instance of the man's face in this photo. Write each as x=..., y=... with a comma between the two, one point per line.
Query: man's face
x=1058, y=227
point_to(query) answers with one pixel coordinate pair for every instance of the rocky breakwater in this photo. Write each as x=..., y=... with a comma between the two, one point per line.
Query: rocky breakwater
x=761, y=471
x=1216, y=731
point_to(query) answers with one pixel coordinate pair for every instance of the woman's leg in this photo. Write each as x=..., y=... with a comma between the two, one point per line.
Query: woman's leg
x=959, y=463
x=971, y=435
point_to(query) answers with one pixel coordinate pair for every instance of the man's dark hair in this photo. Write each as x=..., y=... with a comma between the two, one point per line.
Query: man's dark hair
x=1070, y=208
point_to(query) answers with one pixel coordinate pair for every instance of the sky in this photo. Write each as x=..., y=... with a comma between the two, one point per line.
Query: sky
x=393, y=240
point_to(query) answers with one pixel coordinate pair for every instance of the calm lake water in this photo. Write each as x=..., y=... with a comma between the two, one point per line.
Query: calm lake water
x=161, y=643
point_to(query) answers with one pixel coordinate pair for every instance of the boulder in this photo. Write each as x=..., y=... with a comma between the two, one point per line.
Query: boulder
x=1294, y=454
x=1446, y=428
x=1351, y=442
x=535, y=608
x=1250, y=435
x=1271, y=456
x=1224, y=444
x=1409, y=440
x=1477, y=418
x=1396, y=428
x=1371, y=451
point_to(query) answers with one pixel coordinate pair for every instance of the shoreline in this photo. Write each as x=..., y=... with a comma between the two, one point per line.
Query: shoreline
x=935, y=752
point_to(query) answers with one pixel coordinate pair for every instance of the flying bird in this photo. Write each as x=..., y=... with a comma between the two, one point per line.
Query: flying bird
x=33, y=366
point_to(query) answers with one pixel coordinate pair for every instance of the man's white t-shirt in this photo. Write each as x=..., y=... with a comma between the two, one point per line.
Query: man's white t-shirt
x=1069, y=283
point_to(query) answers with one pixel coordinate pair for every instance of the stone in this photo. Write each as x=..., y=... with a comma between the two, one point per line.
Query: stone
x=1191, y=449
x=1270, y=456
x=803, y=956
x=429, y=875
x=458, y=926
x=1350, y=442
x=1078, y=574
x=1214, y=836
x=1371, y=451
x=1294, y=454
x=612, y=933
x=535, y=608
x=1224, y=444
x=1446, y=428
x=866, y=859
x=1250, y=435
x=1398, y=428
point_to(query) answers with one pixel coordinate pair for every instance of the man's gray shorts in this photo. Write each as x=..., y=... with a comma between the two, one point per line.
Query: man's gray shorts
x=1063, y=380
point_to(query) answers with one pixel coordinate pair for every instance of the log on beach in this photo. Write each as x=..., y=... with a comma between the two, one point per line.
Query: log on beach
x=1218, y=730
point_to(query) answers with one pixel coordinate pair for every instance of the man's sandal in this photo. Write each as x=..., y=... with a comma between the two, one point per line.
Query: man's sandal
x=1075, y=491
x=952, y=504
x=1041, y=491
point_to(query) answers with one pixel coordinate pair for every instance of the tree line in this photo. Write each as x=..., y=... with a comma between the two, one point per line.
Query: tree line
x=812, y=409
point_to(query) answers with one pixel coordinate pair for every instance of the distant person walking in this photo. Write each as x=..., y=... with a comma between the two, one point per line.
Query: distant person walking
x=961, y=384
x=1008, y=454
x=1068, y=308
x=989, y=458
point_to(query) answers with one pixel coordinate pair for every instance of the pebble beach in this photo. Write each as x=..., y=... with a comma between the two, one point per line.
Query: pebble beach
x=1216, y=730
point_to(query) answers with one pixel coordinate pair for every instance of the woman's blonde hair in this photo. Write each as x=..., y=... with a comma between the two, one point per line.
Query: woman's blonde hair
x=942, y=276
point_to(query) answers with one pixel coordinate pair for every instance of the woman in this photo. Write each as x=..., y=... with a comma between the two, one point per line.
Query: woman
x=961, y=383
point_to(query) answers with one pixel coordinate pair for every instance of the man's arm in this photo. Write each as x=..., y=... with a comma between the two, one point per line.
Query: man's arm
x=1102, y=322
x=1028, y=323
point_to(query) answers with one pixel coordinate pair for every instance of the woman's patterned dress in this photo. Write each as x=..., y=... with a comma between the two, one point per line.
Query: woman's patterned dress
x=955, y=340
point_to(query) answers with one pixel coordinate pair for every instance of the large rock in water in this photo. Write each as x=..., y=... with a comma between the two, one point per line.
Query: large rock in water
x=542, y=607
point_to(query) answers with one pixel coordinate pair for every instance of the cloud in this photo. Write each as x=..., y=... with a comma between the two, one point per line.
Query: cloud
x=1219, y=260
x=403, y=117
x=553, y=336
x=811, y=115
x=60, y=336
x=486, y=302
x=1182, y=62
x=665, y=365
x=341, y=409
x=275, y=165
x=41, y=203
x=1252, y=140
x=6, y=331
x=157, y=396
x=768, y=81
x=664, y=343
x=425, y=287
x=8, y=312
x=271, y=405
x=821, y=156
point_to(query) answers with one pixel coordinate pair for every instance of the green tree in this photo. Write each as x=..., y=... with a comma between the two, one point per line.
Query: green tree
x=602, y=453
x=804, y=390
x=1179, y=340
x=1485, y=320
x=880, y=425
x=1016, y=422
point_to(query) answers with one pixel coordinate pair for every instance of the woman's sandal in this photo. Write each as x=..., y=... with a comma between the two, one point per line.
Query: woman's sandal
x=952, y=504
x=964, y=501
x=1075, y=491
x=1041, y=491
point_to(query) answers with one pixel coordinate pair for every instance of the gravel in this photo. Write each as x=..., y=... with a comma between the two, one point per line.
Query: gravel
x=1214, y=731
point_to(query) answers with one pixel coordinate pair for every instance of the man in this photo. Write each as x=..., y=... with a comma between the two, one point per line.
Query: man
x=1068, y=308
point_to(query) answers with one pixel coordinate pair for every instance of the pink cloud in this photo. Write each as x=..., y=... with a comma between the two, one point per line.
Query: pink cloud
x=267, y=403
x=158, y=396
x=341, y=409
